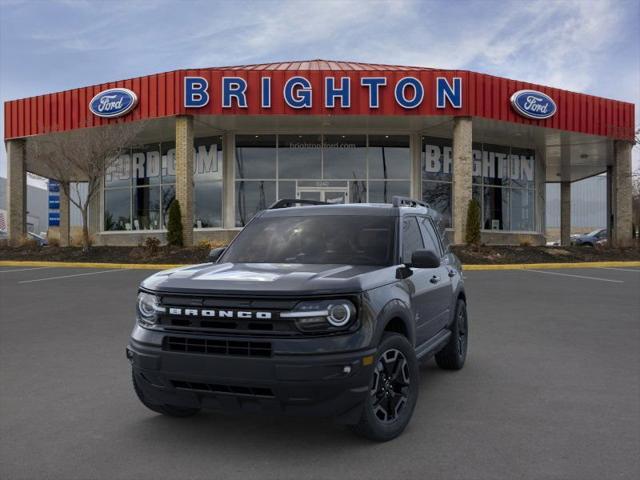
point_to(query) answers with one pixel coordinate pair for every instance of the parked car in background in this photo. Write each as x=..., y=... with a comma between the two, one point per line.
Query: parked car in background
x=591, y=239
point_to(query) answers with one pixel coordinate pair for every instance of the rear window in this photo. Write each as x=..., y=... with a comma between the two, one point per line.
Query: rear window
x=339, y=239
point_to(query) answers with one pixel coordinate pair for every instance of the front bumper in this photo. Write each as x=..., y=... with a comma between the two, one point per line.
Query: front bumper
x=310, y=384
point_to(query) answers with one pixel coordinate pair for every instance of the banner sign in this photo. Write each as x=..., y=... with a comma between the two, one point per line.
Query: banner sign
x=54, y=203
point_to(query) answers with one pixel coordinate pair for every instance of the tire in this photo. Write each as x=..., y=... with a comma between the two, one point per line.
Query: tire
x=169, y=410
x=393, y=390
x=454, y=354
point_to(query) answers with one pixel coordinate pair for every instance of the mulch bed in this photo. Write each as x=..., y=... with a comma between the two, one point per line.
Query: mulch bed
x=483, y=255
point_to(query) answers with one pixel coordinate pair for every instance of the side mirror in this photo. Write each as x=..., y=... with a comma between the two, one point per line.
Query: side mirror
x=424, y=259
x=215, y=254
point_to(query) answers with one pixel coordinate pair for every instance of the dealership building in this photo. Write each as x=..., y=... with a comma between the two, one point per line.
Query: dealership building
x=229, y=141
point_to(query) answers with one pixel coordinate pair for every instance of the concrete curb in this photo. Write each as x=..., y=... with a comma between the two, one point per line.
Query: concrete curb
x=164, y=266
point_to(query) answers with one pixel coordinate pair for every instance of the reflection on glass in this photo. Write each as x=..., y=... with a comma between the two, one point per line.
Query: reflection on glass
x=345, y=156
x=358, y=191
x=389, y=156
x=300, y=156
x=438, y=196
x=207, y=160
x=117, y=203
x=168, y=162
x=383, y=191
x=255, y=156
x=145, y=165
x=522, y=164
x=168, y=195
x=522, y=210
x=146, y=208
x=208, y=205
x=437, y=161
x=251, y=197
x=496, y=208
x=118, y=174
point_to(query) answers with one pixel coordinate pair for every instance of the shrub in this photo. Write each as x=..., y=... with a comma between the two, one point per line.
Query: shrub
x=472, y=236
x=525, y=243
x=174, y=226
x=54, y=242
x=152, y=245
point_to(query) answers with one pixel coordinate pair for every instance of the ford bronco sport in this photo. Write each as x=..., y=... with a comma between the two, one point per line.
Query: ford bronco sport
x=311, y=310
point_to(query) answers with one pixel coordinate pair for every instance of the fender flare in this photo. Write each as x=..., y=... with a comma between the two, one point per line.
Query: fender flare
x=395, y=309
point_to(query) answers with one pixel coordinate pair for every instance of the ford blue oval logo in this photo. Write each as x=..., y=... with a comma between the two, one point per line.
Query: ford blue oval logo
x=533, y=104
x=114, y=102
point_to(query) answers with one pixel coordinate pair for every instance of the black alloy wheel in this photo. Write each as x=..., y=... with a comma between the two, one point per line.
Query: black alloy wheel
x=390, y=389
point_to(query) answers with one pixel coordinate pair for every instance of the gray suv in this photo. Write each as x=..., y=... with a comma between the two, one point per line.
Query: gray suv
x=313, y=309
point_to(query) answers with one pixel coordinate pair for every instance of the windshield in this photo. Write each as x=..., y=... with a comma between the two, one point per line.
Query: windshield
x=335, y=239
x=594, y=233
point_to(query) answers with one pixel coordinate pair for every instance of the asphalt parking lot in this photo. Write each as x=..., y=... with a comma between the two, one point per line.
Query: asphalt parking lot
x=551, y=390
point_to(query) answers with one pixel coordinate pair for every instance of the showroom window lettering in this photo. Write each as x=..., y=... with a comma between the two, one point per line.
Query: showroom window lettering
x=140, y=186
x=151, y=163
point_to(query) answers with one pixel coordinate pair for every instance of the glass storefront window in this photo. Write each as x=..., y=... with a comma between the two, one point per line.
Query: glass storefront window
x=497, y=171
x=251, y=197
x=381, y=191
x=146, y=208
x=118, y=174
x=299, y=156
x=149, y=171
x=117, y=209
x=521, y=211
x=438, y=196
x=522, y=167
x=496, y=208
x=168, y=195
x=168, y=162
x=389, y=157
x=208, y=205
x=436, y=159
x=255, y=156
x=345, y=157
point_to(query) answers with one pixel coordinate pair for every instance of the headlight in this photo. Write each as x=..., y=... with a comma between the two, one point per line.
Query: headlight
x=322, y=315
x=148, y=309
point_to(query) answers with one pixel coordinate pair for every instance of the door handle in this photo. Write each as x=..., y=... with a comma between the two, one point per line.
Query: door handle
x=452, y=273
x=435, y=279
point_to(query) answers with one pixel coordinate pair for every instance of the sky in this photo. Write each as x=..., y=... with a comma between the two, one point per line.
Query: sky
x=590, y=46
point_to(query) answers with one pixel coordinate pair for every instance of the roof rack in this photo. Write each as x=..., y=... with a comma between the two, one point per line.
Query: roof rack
x=398, y=201
x=292, y=202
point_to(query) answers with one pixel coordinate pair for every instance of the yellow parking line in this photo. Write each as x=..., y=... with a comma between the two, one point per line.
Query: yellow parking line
x=542, y=266
x=132, y=266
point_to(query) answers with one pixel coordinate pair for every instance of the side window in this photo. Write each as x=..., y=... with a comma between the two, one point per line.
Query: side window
x=411, y=238
x=431, y=241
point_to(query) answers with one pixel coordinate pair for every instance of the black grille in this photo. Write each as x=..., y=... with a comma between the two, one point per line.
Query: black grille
x=237, y=326
x=217, y=346
x=215, y=388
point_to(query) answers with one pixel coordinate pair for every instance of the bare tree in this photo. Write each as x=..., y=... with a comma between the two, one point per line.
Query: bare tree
x=85, y=156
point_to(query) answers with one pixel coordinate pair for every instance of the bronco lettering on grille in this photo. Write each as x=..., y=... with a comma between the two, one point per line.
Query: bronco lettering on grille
x=194, y=312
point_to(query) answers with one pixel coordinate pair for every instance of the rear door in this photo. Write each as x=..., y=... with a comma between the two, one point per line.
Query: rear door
x=440, y=296
x=420, y=284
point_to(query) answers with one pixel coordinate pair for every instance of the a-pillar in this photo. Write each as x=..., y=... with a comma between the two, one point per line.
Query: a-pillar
x=462, y=175
x=16, y=191
x=621, y=193
x=65, y=215
x=184, y=174
x=565, y=213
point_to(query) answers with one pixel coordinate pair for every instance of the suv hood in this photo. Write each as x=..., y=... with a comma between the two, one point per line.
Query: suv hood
x=270, y=279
